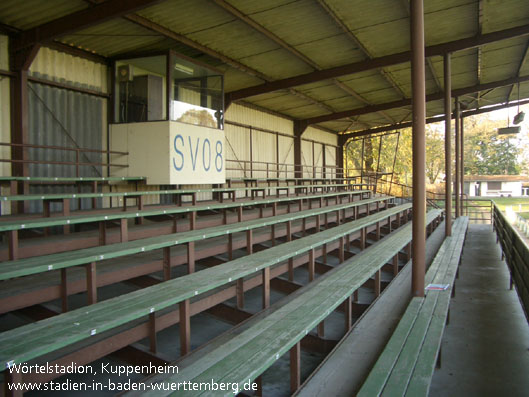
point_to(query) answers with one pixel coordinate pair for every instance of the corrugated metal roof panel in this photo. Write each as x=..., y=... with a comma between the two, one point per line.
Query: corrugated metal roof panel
x=501, y=14
x=27, y=14
x=113, y=37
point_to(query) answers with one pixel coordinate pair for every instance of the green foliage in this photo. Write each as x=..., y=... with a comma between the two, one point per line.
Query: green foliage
x=487, y=153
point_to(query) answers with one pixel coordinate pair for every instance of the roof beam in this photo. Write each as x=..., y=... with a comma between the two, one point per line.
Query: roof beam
x=261, y=29
x=520, y=66
x=170, y=34
x=167, y=33
x=283, y=44
x=407, y=102
x=359, y=44
x=387, y=60
x=435, y=119
x=79, y=20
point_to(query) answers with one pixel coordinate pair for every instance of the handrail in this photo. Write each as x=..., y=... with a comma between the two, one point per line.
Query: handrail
x=516, y=250
x=77, y=163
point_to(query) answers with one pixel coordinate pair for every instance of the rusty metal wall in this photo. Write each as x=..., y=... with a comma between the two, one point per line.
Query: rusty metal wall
x=59, y=117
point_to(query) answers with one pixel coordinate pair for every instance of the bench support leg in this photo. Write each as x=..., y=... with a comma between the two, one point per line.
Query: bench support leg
x=91, y=283
x=185, y=327
x=64, y=290
x=259, y=381
x=240, y=293
x=167, y=263
x=102, y=233
x=295, y=367
x=66, y=212
x=12, y=378
x=191, y=257
x=312, y=265
x=230, y=246
x=249, y=242
x=123, y=230
x=377, y=283
x=324, y=253
x=266, y=287
x=239, y=214
x=192, y=220
x=340, y=250
x=152, y=333
x=363, y=234
x=12, y=236
x=348, y=314
x=396, y=265
x=321, y=329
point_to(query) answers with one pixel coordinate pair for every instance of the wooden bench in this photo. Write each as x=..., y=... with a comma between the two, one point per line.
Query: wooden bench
x=34, y=340
x=406, y=365
x=91, y=256
x=137, y=196
x=11, y=228
x=257, y=344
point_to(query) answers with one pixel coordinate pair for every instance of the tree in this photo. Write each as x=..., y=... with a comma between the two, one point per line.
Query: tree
x=486, y=152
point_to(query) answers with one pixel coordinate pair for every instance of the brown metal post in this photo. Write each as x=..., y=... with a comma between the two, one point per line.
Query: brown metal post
x=462, y=164
x=185, y=327
x=458, y=141
x=419, y=146
x=266, y=287
x=91, y=283
x=295, y=367
x=448, y=145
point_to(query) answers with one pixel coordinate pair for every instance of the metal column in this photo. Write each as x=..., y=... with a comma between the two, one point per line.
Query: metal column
x=457, y=155
x=448, y=145
x=419, y=146
x=462, y=164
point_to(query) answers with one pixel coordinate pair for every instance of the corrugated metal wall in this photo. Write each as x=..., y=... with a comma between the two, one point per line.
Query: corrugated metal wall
x=59, y=117
x=5, y=108
x=246, y=115
x=265, y=146
x=59, y=66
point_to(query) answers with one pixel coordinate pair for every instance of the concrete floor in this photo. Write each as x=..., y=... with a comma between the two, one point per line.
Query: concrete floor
x=485, y=347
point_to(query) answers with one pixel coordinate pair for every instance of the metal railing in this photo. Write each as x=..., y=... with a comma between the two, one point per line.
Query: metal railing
x=77, y=163
x=263, y=169
x=516, y=251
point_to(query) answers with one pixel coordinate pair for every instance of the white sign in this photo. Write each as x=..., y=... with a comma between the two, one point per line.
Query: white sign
x=197, y=154
x=173, y=153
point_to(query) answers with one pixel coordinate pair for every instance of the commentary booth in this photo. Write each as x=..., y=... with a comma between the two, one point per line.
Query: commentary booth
x=169, y=117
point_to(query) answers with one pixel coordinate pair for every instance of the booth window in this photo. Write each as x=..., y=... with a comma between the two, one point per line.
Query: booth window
x=140, y=89
x=197, y=94
x=194, y=95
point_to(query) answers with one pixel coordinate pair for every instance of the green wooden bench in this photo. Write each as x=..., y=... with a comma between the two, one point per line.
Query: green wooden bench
x=13, y=227
x=251, y=350
x=34, y=340
x=407, y=363
x=90, y=256
x=71, y=179
x=138, y=196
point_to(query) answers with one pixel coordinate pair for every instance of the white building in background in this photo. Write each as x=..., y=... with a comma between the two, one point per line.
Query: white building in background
x=496, y=185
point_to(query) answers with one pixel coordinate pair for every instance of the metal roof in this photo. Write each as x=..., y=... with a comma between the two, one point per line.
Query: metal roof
x=258, y=42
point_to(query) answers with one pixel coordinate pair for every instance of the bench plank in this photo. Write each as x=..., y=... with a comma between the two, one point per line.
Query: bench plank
x=251, y=352
x=36, y=264
x=407, y=363
x=34, y=340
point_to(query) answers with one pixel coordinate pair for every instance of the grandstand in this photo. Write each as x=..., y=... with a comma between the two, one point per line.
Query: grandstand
x=179, y=214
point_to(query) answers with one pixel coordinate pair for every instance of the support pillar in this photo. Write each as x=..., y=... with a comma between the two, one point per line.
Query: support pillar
x=448, y=144
x=419, y=146
x=457, y=155
x=462, y=163
x=299, y=128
